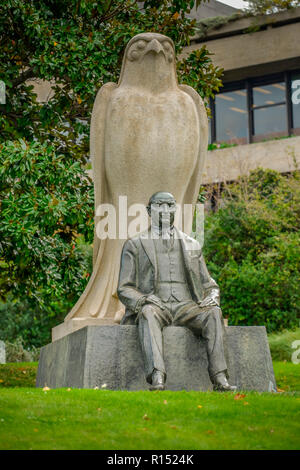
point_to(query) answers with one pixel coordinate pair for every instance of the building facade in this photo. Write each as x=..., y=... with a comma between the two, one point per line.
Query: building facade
x=256, y=115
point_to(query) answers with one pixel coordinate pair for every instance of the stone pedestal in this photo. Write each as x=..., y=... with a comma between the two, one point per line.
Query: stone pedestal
x=110, y=357
x=69, y=326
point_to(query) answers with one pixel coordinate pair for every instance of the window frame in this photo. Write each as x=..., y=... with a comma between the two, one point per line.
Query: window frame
x=248, y=85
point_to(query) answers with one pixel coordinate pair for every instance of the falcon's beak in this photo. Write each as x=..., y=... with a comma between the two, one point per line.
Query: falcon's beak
x=154, y=46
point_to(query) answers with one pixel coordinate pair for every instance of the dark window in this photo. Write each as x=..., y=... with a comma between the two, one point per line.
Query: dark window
x=257, y=109
x=269, y=109
x=231, y=116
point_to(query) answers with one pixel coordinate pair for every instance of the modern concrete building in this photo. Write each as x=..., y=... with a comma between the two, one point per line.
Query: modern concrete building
x=259, y=104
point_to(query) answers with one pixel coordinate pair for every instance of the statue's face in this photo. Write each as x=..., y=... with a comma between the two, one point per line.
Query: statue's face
x=155, y=43
x=163, y=209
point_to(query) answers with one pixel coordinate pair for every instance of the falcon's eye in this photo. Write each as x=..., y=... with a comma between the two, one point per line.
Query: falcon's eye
x=141, y=44
x=133, y=54
x=167, y=46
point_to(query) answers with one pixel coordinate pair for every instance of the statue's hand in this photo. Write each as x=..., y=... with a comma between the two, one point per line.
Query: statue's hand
x=208, y=302
x=152, y=299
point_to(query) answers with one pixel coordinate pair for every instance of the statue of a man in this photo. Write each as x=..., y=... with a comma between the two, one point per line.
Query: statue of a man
x=164, y=281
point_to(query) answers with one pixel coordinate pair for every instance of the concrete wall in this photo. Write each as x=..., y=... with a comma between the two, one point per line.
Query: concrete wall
x=43, y=89
x=229, y=163
x=245, y=54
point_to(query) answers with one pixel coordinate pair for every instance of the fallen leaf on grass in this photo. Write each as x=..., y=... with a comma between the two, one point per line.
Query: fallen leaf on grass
x=199, y=406
x=271, y=430
x=165, y=402
x=46, y=389
x=246, y=403
x=68, y=389
x=210, y=432
x=239, y=396
x=99, y=409
x=279, y=390
x=24, y=371
x=1, y=381
x=173, y=426
x=146, y=417
x=36, y=430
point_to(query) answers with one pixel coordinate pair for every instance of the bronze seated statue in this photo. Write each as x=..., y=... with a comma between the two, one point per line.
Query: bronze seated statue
x=164, y=281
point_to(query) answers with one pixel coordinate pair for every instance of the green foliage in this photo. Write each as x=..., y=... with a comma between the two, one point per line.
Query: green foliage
x=46, y=219
x=221, y=145
x=25, y=326
x=252, y=245
x=205, y=25
x=198, y=71
x=78, y=46
x=19, y=374
x=261, y=7
x=17, y=352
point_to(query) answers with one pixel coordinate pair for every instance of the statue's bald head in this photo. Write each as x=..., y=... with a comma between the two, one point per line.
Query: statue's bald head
x=162, y=199
x=161, y=196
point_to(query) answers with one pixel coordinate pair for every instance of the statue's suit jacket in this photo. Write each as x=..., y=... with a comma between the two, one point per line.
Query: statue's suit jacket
x=139, y=274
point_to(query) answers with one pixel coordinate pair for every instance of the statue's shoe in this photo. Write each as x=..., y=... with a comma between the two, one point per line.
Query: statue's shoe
x=221, y=384
x=225, y=388
x=158, y=381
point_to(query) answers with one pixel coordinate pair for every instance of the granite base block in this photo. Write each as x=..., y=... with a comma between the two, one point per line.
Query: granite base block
x=110, y=357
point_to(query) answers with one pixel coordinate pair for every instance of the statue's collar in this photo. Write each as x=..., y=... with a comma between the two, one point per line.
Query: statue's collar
x=155, y=233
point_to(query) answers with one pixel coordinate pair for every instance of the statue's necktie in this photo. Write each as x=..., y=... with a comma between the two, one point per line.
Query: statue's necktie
x=168, y=242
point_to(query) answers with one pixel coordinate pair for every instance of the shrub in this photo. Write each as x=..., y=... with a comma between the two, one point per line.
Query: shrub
x=281, y=344
x=46, y=228
x=252, y=250
x=16, y=352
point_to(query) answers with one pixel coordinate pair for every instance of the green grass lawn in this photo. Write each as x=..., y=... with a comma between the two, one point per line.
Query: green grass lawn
x=287, y=376
x=100, y=419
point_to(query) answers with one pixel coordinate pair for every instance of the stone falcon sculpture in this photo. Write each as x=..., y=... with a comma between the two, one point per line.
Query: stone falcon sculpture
x=147, y=133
